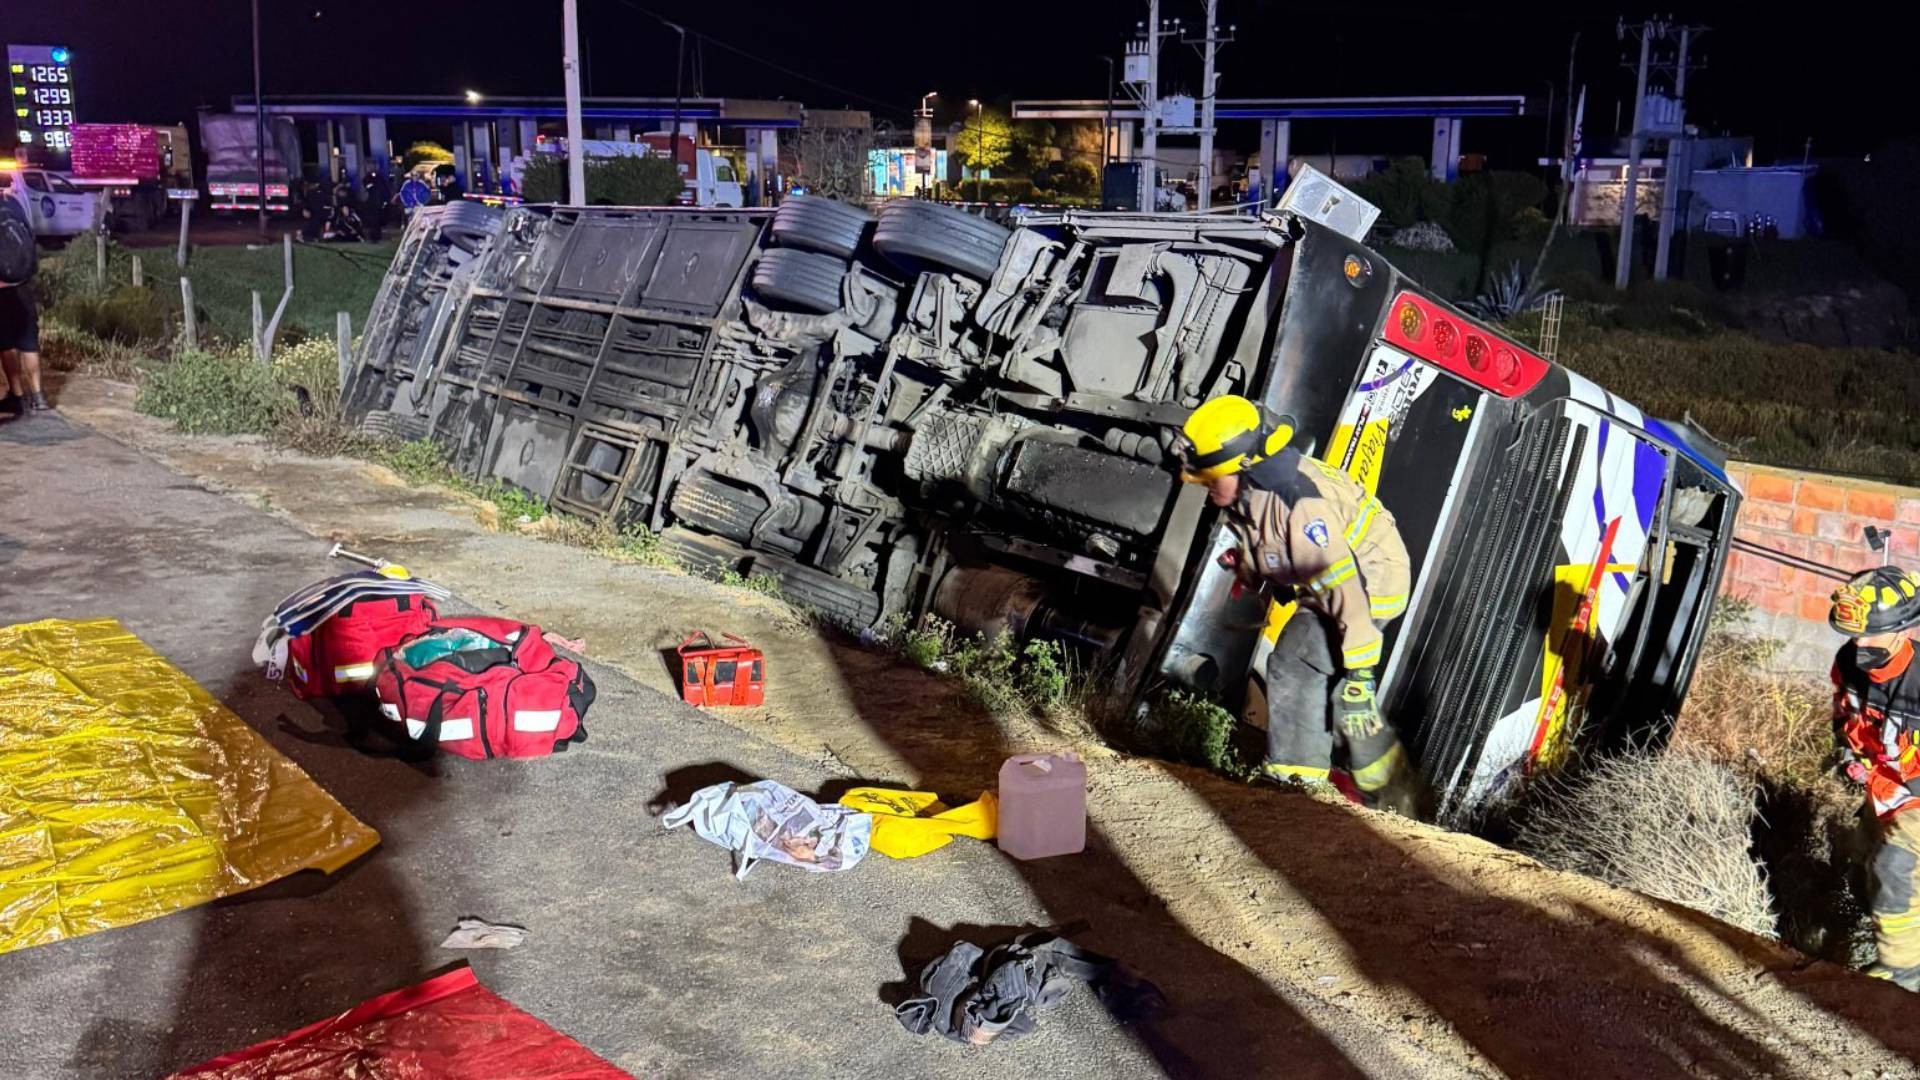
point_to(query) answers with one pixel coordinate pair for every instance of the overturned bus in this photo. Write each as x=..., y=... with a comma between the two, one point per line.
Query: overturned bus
x=921, y=410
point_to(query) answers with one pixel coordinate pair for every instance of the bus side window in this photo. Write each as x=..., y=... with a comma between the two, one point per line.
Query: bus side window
x=723, y=672
x=693, y=673
x=755, y=677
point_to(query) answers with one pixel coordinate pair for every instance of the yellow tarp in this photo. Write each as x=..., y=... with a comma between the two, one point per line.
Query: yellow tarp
x=128, y=792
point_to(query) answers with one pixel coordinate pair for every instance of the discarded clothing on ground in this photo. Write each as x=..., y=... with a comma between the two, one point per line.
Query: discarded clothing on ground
x=768, y=820
x=447, y=1028
x=473, y=933
x=975, y=997
x=305, y=610
x=907, y=824
x=128, y=792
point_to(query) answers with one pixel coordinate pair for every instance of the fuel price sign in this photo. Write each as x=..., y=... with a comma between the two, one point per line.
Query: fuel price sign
x=41, y=78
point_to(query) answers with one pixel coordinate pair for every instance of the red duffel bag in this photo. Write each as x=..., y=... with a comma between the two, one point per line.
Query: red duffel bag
x=340, y=655
x=483, y=688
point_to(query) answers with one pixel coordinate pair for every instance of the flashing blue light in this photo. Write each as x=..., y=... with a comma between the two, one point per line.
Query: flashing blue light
x=60, y=56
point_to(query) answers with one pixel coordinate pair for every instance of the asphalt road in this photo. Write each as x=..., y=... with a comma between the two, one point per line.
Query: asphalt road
x=642, y=946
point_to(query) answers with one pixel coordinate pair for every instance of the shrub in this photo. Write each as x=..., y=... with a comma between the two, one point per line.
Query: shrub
x=225, y=393
x=126, y=314
x=1078, y=177
x=1403, y=192
x=310, y=370
x=1190, y=728
x=1675, y=826
x=67, y=348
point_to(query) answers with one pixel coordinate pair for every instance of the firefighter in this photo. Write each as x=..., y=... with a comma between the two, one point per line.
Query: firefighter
x=1309, y=532
x=1876, y=715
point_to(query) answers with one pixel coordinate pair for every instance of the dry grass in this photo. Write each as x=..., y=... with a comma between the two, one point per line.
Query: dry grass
x=1675, y=826
x=1739, y=712
x=1775, y=729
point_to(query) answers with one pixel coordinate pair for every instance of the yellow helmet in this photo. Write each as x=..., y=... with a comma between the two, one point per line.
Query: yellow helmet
x=1226, y=435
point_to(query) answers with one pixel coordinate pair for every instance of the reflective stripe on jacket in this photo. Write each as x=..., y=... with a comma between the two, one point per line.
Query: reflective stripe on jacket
x=1304, y=523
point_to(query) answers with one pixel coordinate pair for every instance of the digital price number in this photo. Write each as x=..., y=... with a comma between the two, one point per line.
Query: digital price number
x=41, y=78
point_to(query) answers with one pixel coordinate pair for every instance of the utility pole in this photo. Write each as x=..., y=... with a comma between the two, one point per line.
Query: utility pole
x=1623, y=263
x=576, y=136
x=1106, y=126
x=260, y=127
x=1150, y=182
x=1143, y=82
x=679, y=70
x=1679, y=161
x=1209, y=78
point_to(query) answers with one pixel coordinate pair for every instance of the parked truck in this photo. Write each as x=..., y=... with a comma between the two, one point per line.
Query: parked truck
x=233, y=161
x=133, y=166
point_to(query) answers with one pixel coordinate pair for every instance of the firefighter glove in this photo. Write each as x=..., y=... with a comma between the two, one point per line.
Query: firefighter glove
x=1359, y=713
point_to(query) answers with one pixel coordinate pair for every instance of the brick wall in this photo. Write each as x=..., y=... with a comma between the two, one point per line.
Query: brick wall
x=1817, y=517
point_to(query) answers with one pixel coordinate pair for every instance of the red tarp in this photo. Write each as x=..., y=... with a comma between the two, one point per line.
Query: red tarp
x=447, y=1027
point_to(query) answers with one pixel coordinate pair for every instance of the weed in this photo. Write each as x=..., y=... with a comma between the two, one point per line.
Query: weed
x=1190, y=728
x=764, y=584
x=64, y=347
x=637, y=543
x=514, y=504
x=214, y=394
x=310, y=370
x=417, y=461
x=1043, y=674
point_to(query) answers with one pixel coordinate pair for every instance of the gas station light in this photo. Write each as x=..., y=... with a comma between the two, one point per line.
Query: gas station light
x=473, y=97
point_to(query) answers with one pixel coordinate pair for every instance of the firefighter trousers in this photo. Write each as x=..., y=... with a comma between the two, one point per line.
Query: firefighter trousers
x=1896, y=900
x=1303, y=679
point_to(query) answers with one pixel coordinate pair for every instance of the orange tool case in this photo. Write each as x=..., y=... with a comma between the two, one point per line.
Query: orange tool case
x=713, y=673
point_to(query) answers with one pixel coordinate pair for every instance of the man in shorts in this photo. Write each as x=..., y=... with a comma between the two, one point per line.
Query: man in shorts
x=20, y=351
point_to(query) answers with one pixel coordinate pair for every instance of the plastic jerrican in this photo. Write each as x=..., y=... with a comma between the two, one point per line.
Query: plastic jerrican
x=1043, y=805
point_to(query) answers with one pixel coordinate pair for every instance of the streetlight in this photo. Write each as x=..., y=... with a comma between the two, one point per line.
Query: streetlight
x=979, y=145
x=923, y=142
x=473, y=97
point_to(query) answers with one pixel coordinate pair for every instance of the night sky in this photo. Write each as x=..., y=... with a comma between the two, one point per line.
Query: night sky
x=1847, y=83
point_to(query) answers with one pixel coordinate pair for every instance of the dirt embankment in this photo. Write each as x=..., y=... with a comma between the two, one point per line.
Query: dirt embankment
x=1470, y=959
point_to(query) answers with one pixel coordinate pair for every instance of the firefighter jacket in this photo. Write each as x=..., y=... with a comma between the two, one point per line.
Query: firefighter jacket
x=1305, y=525
x=1876, y=715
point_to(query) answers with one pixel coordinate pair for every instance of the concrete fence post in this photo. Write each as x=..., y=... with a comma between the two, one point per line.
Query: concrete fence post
x=100, y=258
x=139, y=273
x=191, y=323
x=186, y=215
x=280, y=309
x=343, y=342
x=259, y=330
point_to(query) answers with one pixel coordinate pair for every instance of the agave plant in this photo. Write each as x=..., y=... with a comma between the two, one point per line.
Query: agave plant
x=1508, y=296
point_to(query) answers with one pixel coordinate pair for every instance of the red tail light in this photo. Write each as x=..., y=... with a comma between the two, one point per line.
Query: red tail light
x=1421, y=327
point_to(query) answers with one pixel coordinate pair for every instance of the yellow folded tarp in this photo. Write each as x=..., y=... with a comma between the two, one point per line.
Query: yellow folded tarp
x=908, y=824
x=128, y=792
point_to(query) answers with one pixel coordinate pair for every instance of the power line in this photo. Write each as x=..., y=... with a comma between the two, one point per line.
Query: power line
x=736, y=50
